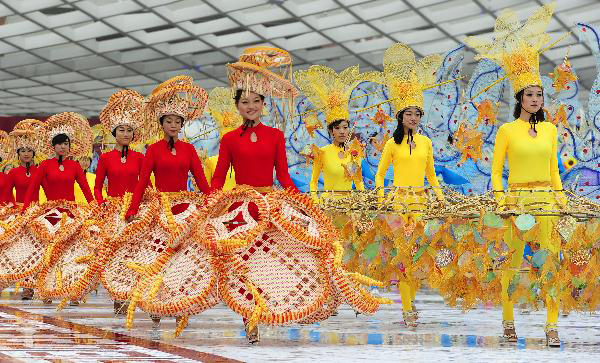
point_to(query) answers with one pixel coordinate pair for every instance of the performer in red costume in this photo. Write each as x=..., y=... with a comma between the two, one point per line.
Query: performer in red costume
x=170, y=159
x=253, y=149
x=122, y=116
x=26, y=138
x=6, y=196
x=121, y=166
x=59, y=174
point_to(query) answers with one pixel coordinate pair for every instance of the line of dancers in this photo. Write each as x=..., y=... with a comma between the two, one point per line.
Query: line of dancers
x=275, y=255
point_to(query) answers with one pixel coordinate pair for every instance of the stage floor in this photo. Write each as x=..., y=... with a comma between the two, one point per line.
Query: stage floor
x=33, y=332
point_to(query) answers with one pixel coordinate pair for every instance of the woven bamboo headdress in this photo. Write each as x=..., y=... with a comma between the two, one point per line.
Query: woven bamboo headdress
x=406, y=78
x=125, y=107
x=176, y=96
x=221, y=107
x=76, y=127
x=253, y=72
x=28, y=133
x=330, y=91
x=517, y=47
x=6, y=149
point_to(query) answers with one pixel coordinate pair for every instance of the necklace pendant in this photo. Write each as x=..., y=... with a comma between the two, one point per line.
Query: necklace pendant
x=173, y=151
x=123, y=159
x=412, y=144
x=28, y=174
x=341, y=155
x=61, y=167
x=253, y=137
x=532, y=133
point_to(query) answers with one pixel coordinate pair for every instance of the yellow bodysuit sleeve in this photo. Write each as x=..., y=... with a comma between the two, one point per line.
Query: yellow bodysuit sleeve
x=316, y=173
x=554, y=173
x=384, y=164
x=500, y=147
x=430, y=173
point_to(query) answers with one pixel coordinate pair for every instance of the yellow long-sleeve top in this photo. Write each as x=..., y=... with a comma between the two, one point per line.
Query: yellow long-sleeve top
x=530, y=159
x=410, y=167
x=210, y=165
x=334, y=175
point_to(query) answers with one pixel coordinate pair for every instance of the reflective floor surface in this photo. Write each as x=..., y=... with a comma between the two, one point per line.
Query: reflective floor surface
x=33, y=332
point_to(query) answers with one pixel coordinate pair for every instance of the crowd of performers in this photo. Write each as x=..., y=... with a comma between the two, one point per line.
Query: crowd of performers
x=277, y=256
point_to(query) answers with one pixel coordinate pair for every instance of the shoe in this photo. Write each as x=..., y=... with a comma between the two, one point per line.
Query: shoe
x=155, y=321
x=120, y=307
x=73, y=303
x=410, y=319
x=414, y=309
x=253, y=335
x=510, y=335
x=27, y=294
x=552, y=339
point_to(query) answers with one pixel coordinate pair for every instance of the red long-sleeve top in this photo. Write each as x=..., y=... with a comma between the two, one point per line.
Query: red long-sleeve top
x=170, y=171
x=6, y=195
x=20, y=181
x=253, y=162
x=58, y=184
x=122, y=177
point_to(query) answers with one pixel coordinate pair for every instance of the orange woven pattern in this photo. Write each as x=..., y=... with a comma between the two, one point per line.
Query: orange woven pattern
x=290, y=277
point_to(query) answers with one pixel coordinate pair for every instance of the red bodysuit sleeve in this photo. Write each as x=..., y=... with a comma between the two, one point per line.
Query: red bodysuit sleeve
x=198, y=172
x=83, y=184
x=100, y=176
x=138, y=193
x=34, y=187
x=218, y=179
x=281, y=165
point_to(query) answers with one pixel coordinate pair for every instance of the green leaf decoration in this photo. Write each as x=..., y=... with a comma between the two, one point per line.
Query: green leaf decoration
x=525, y=222
x=420, y=252
x=492, y=220
x=371, y=251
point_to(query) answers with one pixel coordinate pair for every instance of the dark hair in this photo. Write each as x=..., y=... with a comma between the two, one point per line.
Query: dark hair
x=399, y=132
x=535, y=117
x=27, y=164
x=60, y=138
x=335, y=124
x=238, y=96
x=171, y=141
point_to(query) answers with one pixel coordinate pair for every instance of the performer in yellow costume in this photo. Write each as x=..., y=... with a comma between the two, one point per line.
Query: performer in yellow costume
x=529, y=143
x=410, y=153
x=221, y=107
x=339, y=161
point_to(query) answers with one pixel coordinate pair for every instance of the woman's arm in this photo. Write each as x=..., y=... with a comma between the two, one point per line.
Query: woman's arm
x=100, y=176
x=384, y=164
x=500, y=147
x=281, y=164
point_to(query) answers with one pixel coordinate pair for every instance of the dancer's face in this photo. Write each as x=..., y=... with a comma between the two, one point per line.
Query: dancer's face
x=533, y=99
x=411, y=118
x=340, y=132
x=25, y=155
x=172, y=125
x=250, y=106
x=124, y=135
x=62, y=149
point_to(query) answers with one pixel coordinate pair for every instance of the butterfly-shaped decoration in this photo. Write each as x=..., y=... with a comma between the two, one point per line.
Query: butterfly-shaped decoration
x=562, y=75
x=381, y=118
x=469, y=142
x=486, y=112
